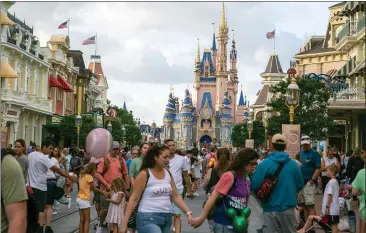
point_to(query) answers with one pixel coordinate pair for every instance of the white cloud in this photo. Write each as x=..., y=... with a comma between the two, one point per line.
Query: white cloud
x=146, y=46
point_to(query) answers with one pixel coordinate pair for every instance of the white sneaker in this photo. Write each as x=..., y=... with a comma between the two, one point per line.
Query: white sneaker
x=69, y=205
x=54, y=212
x=196, y=194
x=99, y=229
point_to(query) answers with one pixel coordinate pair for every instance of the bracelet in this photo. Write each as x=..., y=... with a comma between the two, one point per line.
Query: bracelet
x=189, y=213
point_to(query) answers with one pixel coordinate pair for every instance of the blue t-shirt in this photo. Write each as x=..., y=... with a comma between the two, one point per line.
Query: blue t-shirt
x=310, y=162
x=128, y=163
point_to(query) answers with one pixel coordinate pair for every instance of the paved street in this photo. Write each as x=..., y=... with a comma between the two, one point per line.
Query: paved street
x=67, y=220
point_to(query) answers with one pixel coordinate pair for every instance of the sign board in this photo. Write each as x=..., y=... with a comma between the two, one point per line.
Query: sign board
x=292, y=133
x=249, y=143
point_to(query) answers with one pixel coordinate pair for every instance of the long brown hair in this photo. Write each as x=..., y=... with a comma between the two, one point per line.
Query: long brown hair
x=242, y=159
x=223, y=160
x=22, y=142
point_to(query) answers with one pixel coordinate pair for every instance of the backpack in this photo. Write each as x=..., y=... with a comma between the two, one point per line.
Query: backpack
x=268, y=185
x=107, y=163
x=357, y=165
x=211, y=161
x=32, y=207
x=211, y=214
x=214, y=178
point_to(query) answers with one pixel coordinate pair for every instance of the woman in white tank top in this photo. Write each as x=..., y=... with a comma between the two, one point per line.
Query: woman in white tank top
x=153, y=192
x=326, y=161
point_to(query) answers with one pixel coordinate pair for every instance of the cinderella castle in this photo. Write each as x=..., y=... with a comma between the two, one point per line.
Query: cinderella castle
x=207, y=115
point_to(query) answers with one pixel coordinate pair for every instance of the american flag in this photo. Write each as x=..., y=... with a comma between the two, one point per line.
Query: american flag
x=63, y=25
x=90, y=40
x=271, y=35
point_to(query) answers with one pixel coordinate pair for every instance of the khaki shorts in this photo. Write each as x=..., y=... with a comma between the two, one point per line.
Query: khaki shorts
x=307, y=195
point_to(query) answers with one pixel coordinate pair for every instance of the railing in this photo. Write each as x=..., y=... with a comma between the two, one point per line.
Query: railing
x=12, y=41
x=32, y=52
x=22, y=46
x=344, y=31
x=13, y=95
x=361, y=23
x=40, y=56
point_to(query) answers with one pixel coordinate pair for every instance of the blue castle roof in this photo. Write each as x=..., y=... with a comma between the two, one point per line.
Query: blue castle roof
x=214, y=43
x=206, y=56
x=124, y=106
x=242, y=101
x=186, y=111
x=226, y=107
x=226, y=101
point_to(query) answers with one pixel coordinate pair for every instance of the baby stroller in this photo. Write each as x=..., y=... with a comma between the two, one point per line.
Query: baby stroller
x=343, y=224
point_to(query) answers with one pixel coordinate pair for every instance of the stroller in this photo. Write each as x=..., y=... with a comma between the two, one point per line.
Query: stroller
x=344, y=208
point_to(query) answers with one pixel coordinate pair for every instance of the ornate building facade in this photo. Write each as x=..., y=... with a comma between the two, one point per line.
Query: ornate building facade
x=209, y=113
x=25, y=102
x=340, y=55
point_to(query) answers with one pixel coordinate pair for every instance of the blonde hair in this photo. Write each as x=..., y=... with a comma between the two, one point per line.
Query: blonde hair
x=333, y=168
x=89, y=169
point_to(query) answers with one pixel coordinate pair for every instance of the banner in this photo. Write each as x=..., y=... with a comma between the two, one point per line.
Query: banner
x=249, y=143
x=292, y=133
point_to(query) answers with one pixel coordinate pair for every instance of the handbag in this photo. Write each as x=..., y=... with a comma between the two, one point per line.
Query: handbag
x=264, y=193
x=58, y=193
x=132, y=220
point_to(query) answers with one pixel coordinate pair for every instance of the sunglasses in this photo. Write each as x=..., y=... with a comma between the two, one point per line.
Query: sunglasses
x=161, y=145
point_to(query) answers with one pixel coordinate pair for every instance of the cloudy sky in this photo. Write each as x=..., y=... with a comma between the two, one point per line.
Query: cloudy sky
x=146, y=47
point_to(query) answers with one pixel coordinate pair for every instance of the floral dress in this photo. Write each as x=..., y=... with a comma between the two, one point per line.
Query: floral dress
x=116, y=212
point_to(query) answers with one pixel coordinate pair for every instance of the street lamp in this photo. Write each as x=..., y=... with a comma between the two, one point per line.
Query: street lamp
x=78, y=123
x=250, y=128
x=292, y=94
x=109, y=127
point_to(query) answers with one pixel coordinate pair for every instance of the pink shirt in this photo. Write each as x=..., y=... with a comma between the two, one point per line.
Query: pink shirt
x=114, y=170
x=225, y=183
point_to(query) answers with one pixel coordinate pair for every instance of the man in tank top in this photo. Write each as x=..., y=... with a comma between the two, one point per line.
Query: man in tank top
x=178, y=167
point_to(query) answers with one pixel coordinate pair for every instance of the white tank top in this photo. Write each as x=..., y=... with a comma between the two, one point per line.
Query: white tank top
x=157, y=195
x=327, y=162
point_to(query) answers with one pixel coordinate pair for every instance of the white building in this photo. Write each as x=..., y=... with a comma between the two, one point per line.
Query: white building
x=24, y=100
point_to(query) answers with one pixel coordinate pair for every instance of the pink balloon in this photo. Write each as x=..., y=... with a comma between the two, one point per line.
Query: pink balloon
x=99, y=142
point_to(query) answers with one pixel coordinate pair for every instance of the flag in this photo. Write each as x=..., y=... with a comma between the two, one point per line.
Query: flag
x=271, y=35
x=90, y=40
x=63, y=25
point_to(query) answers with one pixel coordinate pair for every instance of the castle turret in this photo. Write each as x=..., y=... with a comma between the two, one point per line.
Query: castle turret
x=221, y=66
x=186, y=120
x=169, y=117
x=226, y=120
x=197, y=67
x=214, y=50
x=233, y=61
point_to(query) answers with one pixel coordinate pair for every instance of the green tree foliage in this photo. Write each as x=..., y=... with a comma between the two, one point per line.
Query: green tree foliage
x=68, y=129
x=132, y=134
x=311, y=113
x=240, y=134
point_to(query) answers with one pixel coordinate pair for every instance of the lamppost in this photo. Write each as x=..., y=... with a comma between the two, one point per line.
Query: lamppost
x=292, y=94
x=78, y=123
x=250, y=128
x=109, y=127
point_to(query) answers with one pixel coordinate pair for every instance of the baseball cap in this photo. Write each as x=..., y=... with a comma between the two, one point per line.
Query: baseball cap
x=115, y=145
x=279, y=139
x=305, y=140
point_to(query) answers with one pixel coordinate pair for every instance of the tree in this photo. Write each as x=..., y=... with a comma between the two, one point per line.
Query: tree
x=311, y=113
x=69, y=133
x=132, y=134
x=240, y=134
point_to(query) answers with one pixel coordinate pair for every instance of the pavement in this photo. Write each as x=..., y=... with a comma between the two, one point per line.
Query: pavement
x=67, y=220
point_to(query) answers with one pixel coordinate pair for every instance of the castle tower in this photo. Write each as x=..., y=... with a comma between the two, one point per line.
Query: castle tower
x=241, y=108
x=221, y=66
x=214, y=50
x=169, y=116
x=186, y=120
x=226, y=118
x=272, y=75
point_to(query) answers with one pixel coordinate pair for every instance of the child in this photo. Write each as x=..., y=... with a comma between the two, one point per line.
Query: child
x=86, y=183
x=117, y=207
x=330, y=206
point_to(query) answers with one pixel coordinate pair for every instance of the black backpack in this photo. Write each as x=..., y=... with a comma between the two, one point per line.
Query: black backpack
x=32, y=205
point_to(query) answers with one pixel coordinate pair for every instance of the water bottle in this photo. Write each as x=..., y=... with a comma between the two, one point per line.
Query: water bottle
x=352, y=221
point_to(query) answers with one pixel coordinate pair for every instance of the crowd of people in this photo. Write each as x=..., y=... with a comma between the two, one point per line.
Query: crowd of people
x=146, y=189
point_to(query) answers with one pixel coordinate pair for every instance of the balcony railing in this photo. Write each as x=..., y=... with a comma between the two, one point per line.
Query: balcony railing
x=12, y=41
x=361, y=23
x=14, y=95
x=32, y=52
x=22, y=46
x=344, y=31
x=40, y=56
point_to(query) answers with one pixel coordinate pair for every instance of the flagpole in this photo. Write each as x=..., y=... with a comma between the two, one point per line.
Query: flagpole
x=68, y=27
x=96, y=41
x=274, y=41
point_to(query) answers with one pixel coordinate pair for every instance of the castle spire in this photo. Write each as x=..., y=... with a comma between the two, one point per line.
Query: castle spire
x=198, y=58
x=241, y=98
x=223, y=18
